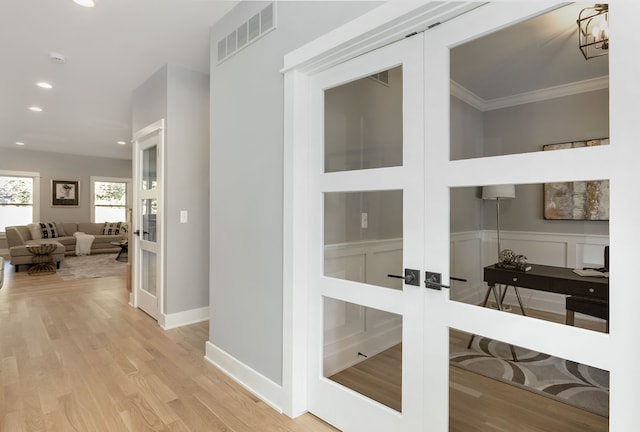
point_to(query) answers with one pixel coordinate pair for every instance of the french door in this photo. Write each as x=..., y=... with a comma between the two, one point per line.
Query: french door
x=147, y=219
x=336, y=264
x=367, y=217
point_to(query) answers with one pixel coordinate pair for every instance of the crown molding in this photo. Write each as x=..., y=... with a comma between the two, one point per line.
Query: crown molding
x=528, y=97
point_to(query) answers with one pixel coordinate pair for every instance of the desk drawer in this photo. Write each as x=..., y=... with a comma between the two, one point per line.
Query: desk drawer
x=555, y=280
x=517, y=278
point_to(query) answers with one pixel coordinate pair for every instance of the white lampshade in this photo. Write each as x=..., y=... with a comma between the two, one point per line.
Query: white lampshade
x=498, y=191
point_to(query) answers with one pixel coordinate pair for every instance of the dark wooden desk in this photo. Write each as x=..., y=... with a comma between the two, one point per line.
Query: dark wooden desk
x=560, y=280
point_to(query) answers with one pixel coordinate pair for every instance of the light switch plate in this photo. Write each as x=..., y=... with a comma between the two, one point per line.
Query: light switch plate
x=184, y=216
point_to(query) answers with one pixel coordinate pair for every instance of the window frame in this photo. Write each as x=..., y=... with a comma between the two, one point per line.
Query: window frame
x=93, y=181
x=35, y=206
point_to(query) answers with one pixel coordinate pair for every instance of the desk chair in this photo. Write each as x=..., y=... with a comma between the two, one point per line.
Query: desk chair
x=591, y=307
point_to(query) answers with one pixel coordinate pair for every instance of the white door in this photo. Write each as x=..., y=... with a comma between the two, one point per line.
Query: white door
x=147, y=219
x=366, y=204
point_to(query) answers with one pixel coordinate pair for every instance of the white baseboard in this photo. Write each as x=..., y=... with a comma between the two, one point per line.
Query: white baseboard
x=179, y=319
x=262, y=387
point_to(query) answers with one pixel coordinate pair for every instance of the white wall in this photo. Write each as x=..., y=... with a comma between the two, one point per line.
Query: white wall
x=247, y=180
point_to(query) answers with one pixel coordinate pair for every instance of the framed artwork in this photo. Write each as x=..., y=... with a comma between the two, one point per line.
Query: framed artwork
x=579, y=200
x=65, y=193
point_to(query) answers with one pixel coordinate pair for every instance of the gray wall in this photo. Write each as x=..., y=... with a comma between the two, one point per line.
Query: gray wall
x=181, y=97
x=247, y=179
x=521, y=129
x=149, y=100
x=59, y=166
x=187, y=188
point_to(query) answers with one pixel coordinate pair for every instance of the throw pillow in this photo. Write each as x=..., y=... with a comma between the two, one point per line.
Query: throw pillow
x=61, y=231
x=34, y=230
x=111, y=228
x=48, y=230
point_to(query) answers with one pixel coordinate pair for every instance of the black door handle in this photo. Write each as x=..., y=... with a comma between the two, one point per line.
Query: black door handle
x=411, y=277
x=137, y=232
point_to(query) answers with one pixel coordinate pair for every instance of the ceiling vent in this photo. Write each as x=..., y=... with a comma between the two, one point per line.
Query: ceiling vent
x=246, y=33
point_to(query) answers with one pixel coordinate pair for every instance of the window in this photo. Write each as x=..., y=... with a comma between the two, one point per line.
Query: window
x=109, y=196
x=19, y=198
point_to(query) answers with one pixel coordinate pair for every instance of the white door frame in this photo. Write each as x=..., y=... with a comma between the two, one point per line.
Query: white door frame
x=389, y=22
x=159, y=128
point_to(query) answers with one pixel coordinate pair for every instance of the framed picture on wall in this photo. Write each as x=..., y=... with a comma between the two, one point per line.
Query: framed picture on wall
x=65, y=193
x=578, y=200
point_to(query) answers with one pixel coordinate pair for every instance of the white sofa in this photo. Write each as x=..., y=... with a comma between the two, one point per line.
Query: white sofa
x=62, y=234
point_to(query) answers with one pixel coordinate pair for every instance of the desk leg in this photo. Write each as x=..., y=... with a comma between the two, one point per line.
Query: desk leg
x=515, y=288
x=492, y=288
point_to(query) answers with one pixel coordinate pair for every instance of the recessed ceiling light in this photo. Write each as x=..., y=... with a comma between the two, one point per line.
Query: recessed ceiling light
x=35, y=108
x=85, y=3
x=19, y=143
x=44, y=85
x=122, y=142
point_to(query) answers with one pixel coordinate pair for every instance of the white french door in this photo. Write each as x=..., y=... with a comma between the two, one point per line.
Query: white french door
x=148, y=173
x=346, y=297
x=367, y=217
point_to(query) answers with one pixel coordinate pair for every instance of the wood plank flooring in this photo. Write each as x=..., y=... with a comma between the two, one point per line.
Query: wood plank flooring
x=477, y=403
x=75, y=357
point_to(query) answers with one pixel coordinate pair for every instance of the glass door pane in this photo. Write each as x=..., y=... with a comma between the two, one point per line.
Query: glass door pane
x=363, y=123
x=149, y=272
x=149, y=168
x=149, y=212
x=363, y=237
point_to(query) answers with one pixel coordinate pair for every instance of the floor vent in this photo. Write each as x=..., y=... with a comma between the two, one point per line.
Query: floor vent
x=246, y=33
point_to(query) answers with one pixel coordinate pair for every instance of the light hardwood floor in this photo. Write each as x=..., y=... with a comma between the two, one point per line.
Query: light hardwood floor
x=75, y=357
x=477, y=403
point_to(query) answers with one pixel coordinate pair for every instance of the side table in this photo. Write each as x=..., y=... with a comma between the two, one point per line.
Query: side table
x=123, y=255
x=42, y=260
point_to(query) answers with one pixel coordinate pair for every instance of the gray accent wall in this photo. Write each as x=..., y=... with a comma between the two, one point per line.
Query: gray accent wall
x=522, y=129
x=60, y=166
x=247, y=179
x=181, y=97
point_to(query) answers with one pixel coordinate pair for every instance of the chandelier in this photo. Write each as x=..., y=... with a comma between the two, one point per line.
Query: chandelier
x=593, y=31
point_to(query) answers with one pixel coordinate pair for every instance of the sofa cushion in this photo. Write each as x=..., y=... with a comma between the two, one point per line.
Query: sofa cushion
x=111, y=228
x=90, y=228
x=48, y=230
x=34, y=230
x=61, y=231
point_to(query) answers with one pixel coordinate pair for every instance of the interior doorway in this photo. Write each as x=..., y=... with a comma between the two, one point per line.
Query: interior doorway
x=148, y=250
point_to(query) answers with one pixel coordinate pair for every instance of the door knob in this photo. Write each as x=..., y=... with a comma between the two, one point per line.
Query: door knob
x=137, y=232
x=411, y=277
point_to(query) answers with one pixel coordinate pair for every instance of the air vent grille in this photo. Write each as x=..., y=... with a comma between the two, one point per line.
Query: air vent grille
x=246, y=33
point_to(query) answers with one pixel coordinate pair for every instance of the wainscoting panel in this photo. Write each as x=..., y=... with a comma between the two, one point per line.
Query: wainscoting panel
x=466, y=251
x=351, y=329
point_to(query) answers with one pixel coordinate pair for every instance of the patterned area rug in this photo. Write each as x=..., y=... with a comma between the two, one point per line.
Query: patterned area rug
x=582, y=386
x=91, y=266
